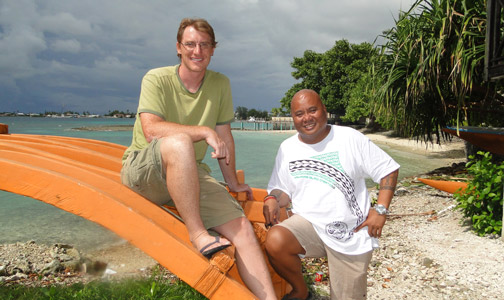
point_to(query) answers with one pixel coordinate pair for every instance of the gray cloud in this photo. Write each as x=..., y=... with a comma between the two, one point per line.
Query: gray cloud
x=71, y=46
x=91, y=55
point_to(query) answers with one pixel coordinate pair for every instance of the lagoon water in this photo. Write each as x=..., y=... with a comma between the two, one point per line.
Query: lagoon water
x=24, y=219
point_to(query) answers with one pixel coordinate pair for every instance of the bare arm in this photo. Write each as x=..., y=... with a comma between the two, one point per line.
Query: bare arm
x=155, y=127
x=374, y=221
x=228, y=164
x=387, y=189
x=272, y=205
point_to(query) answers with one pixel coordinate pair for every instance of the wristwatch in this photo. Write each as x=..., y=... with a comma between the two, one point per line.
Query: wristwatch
x=381, y=209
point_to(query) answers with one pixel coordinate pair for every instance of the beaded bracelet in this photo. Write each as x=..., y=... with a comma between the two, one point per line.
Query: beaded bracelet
x=270, y=197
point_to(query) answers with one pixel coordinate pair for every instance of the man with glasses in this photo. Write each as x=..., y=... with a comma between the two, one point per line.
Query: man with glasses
x=182, y=110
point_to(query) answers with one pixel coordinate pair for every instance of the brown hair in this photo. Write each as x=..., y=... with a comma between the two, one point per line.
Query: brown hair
x=201, y=25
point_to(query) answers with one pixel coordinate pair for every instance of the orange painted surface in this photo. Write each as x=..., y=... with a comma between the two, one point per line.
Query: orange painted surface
x=81, y=176
x=492, y=142
x=444, y=185
x=68, y=150
x=4, y=128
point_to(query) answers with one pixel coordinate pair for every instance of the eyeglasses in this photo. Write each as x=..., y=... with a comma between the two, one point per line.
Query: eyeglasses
x=192, y=45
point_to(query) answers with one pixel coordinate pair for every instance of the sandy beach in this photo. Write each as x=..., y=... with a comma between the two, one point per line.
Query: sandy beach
x=449, y=149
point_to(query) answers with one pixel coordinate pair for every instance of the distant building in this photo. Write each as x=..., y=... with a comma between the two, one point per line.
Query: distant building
x=281, y=119
x=282, y=123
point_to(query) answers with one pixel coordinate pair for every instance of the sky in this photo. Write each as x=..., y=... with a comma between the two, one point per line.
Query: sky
x=90, y=56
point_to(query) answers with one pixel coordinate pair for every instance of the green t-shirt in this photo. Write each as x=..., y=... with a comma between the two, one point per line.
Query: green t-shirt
x=164, y=95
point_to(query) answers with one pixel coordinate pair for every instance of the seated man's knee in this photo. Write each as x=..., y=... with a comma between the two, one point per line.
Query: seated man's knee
x=243, y=228
x=176, y=147
x=176, y=141
x=275, y=240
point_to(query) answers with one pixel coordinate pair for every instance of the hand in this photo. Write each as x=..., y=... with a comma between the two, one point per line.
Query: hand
x=271, y=212
x=374, y=222
x=243, y=188
x=220, y=148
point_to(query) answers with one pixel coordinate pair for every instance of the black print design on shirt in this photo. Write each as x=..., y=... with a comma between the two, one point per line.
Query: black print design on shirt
x=336, y=229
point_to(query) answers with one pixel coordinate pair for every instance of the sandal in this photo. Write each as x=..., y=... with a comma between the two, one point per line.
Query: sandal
x=209, y=253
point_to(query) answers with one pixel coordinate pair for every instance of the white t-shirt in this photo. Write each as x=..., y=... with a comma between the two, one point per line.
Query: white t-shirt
x=326, y=183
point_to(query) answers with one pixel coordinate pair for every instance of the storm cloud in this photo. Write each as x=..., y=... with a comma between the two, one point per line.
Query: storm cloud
x=60, y=55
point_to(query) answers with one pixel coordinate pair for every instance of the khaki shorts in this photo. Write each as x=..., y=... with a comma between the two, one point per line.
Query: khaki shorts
x=348, y=273
x=142, y=171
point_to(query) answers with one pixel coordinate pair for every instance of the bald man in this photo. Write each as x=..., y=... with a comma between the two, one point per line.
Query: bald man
x=321, y=173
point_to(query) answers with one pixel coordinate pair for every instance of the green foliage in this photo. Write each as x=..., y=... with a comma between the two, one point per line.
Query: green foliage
x=278, y=112
x=241, y=113
x=482, y=199
x=333, y=74
x=359, y=98
x=117, y=112
x=155, y=287
x=427, y=74
x=431, y=70
x=262, y=114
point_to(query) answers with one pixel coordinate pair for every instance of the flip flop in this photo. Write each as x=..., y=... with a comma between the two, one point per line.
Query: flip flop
x=209, y=253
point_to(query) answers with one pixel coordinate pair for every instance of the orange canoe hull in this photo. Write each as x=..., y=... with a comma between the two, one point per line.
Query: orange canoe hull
x=489, y=139
x=81, y=176
x=445, y=185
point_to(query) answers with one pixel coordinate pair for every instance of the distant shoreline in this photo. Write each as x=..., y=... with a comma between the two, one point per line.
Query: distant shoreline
x=130, y=128
x=105, y=128
x=450, y=149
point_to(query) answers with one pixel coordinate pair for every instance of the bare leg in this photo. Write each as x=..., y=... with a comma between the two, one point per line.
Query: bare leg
x=182, y=181
x=177, y=152
x=283, y=249
x=249, y=257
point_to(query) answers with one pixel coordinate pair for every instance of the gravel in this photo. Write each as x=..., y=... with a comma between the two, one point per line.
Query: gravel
x=428, y=251
x=434, y=256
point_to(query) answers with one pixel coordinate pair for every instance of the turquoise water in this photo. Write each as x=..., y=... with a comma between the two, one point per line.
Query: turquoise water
x=24, y=219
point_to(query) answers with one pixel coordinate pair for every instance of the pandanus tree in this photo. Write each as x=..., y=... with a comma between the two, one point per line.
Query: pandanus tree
x=430, y=73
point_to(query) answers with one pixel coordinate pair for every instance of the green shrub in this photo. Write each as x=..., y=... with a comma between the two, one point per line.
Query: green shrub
x=155, y=287
x=482, y=199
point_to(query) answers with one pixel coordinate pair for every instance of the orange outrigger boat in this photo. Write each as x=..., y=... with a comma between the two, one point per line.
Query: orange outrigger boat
x=445, y=185
x=488, y=138
x=82, y=176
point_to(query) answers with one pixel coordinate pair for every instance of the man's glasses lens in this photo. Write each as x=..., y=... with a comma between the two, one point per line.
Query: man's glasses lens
x=192, y=45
